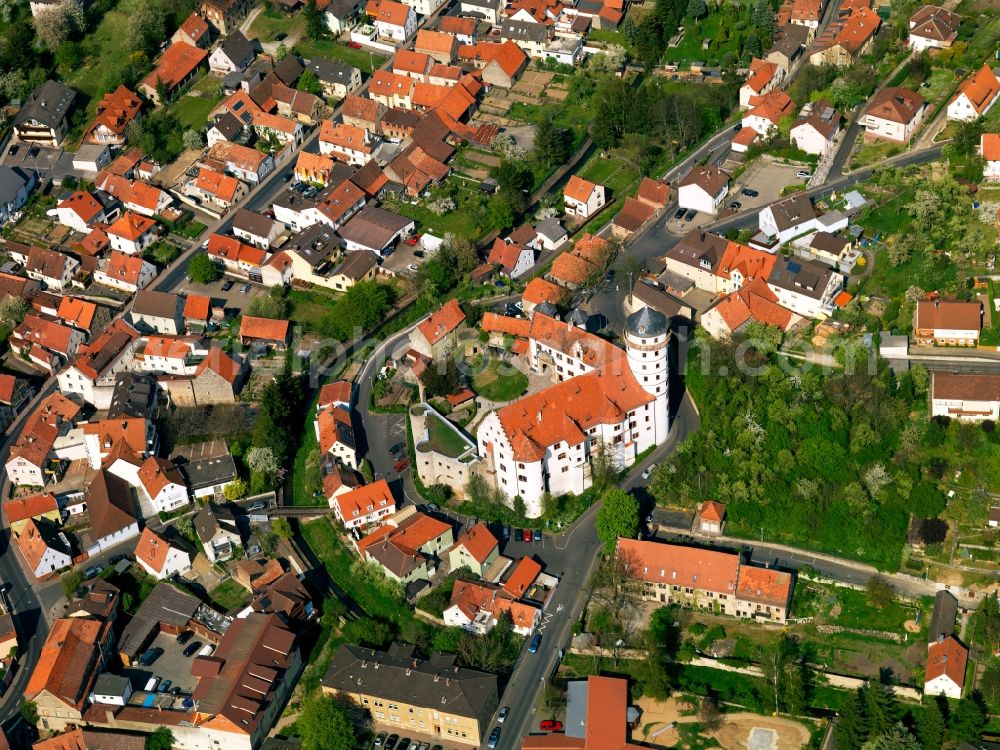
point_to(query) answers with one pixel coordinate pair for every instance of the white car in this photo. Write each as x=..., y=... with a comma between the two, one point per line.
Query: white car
x=413, y=267
x=503, y=714
x=649, y=471
x=803, y=174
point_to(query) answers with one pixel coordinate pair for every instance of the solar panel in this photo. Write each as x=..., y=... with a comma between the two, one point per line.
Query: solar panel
x=794, y=267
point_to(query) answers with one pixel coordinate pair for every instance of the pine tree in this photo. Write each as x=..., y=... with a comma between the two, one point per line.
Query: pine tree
x=851, y=729
x=881, y=709
x=967, y=719
x=930, y=726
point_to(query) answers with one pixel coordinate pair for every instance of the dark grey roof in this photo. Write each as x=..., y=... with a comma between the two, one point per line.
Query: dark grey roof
x=331, y=71
x=396, y=675
x=238, y=49
x=229, y=125
x=357, y=264
x=699, y=249
x=288, y=70
x=133, y=396
x=489, y=4
x=800, y=275
x=944, y=616
x=577, y=317
x=11, y=181
x=317, y=245
x=111, y=684
x=341, y=8
x=48, y=104
x=827, y=242
x=647, y=323
x=548, y=309
x=551, y=229
x=157, y=304
x=374, y=227
x=166, y=604
x=253, y=223
x=205, y=464
x=212, y=519
x=659, y=299
x=524, y=31
x=792, y=211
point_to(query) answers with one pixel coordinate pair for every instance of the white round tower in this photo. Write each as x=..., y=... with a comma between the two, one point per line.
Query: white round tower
x=647, y=344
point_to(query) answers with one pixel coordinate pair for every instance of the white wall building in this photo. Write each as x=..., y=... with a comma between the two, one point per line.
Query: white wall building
x=703, y=189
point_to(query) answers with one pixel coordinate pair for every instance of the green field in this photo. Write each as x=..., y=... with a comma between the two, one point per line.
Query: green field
x=106, y=53
x=359, y=58
x=228, y=595
x=464, y=221
x=690, y=47
x=192, y=111
x=500, y=386
x=270, y=22
x=444, y=440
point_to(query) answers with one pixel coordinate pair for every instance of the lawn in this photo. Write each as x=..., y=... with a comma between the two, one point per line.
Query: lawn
x=500, y=386
x=228, y=595
x=309, y=307
x=443, y=439
x=192, y=111
x=269, y=23
x=359, y=58
x=109, y=54
x=462, y=222
x=695, y=32
x=872, y=152
x=327, y=546
x=614, y=172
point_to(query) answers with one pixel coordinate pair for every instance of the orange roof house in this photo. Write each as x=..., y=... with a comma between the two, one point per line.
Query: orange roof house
x=944, y=673
x=538, y=290
x=524, y=575
x=570, y=270
x=653, y=192
x=131, y=227
x=222, y=187
x=436, y=327
x=197, y=309
x=976, y=94
x=474, y=548
x=365, y=504
x=711, y=516
x=440, y=45
x=266, y=331
x=175, y=68
x=115, y=111
x=989, y=146
x=153, y=553
x=70, y=660
x=33, y=506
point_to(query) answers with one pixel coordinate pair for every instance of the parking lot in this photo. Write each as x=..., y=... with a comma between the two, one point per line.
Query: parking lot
x=48, y=162
x=171, y=665
x=768, y=178
x=233, y=299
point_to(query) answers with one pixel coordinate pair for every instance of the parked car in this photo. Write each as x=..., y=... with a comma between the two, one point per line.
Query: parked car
x=184, y=637
x=165, y=686
x=397, y=450
x=433, y=507
x=149, y=656
x=413, y=240
x=404, y=744
x=690, y=214
x=735, y=205
x=738, y=127
x=115, y=559
x=92, y=572
x=506, y=533
x=227, y=285
x=749, y=192
x=281, y=36
x=538, y=535
x=33, y=152
x=192, y=648
x=413, y=267
x=550, y=725
x=12, y=150
x=438, y=747
x=380, y=739
x=390, y=743
x=803, y=174
x=419, y=253
x=527, y=535
x=494, y=738
x=424, y=746
x=357, y=45
x=535, y=643
x=679, y=214
x=402, y=464
x=503, y=714
x=649, y=471
x=244, y=289
x=259, y=505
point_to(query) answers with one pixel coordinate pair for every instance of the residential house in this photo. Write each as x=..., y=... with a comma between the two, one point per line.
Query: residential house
x=976, y=95
x=966, y=397
x=91, y=158
x=225, y=15
x=707, y=579
x=511, y=258
x=391, y=90
x=16, y=185
x=945, y=671
x=337, y=78
x=989, y=149
x=415, y=65
x=50, y=267
x=530, y=36
x=766, y=112
x=363, y=112
x=376, y=230
x=81, y=209
x=442, y=700
x=216, y=189
x=194, y=30
x=132, y=233
x=247, y=164
x=438, y=45
x=499, y=64
x=364, y=505
x=477, y=549
x=127, y=272
x=406, y=553
x=197, y=312
x=335, y=435
x=894, y=114
x=632, y=217
x=134, y=396
x=789, y=217
x=583, y=198
x=437, y=333
x=43, y=119
x=816, y=127
x=159, y=558
x=217, y=529
x=462, y=28
x=339, y=15
x=947, y=323
x=227, y=127
x=804, y=286
x=395, y=21
x=135, y=195
x=703, y=189
x=92, y=376
x=265, y=332
x=711, y=517
x=256, y=229
x=488, y=10
x=237, y=258
x=102, y=437
x=15, y=393
x=764, y=76
x=847, y=38
x=44, y=548
x=206, y=467
x=933, y=27
x=477, y=607
x=45, y=342
x=73, y=655
x=787, y=46
x=159, y=312
x=346, y=143
x=115, y=112
x=178, y=66
x=163, y=487
x=234, y=54
x=112, y=512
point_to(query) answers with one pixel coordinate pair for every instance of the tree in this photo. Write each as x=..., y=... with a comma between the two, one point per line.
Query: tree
x=323, y=725
x=784, y=671
x=315, y=28
x=146, y=27
x=13, y=309
x=282, y=527
x=441, y=378
x=71, y=582
x=896, y=737
x=880, y=708
x=763, y=19
x=273, y=306
x=235, y=490
x=990, y=684
x=967, y=719
x=261, y=459
x=29, y=712
x=696, y=8
x=309, y=83
x=56, y=24
x=161, y=739
x=553, y=142
x=193, y=140
x=203, y=270
x=851, y=728
x=709, y=714
x=512, y=174
x=879, y=593
x=930, y=726
x=618, y=517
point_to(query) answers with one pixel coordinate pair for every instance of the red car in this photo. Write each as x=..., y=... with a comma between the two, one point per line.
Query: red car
x=527, y=535
x=412, y=241
x=401, y=464
x=354, y=45
x=550, y=725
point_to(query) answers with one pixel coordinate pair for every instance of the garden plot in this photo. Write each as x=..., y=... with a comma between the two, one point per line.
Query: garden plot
x=533, y=83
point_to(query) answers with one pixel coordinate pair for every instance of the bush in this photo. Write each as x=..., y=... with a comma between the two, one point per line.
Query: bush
x=203, y=270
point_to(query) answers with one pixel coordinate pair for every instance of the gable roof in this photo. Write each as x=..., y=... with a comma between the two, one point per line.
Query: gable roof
x=896, y=104
x=933, y=22
x=753, y=301
x=709, y=178
x=524, y=574
x=264, y=328
x=949, y=315
x=131, y=226
x=579, y=189
x=948, y=658
x=365, y=499
x=175, y=65
x=981, y=88
x=392, y=13
x=68, y=665
x=989, y=144
x=443, y=321
x=152, y=549
x=478, y=542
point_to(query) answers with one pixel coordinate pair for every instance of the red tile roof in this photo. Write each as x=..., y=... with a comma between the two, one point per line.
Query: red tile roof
x=676, y=565
x=539, y=290
x=653, y=192
x=152, y=549
x=420, y=530
x=579, y=189
x=366, y=499
x=392, y=13
x=264, y=329
x=990, y=144
x=764, y=586
x=68, y=663
x=131, y=226
x=23, y=508
x=232, y=249
x=949, y=658
x=175, y=65
x=439, y=42
x=753, y=301
x=197, y=307
x=525, y=573
x=409, y=61
x=478, y=542
x=338, y=391
x=222, y=186
x=442, y=322
x=712, y=511
x=83, y=204
x=895, y=104
x=195, y=27
x=981, y=88
x=948, y=315
x=116, y=110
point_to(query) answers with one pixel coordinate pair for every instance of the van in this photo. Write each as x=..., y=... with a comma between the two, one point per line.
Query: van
x=151, y=684
x=207, y=650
